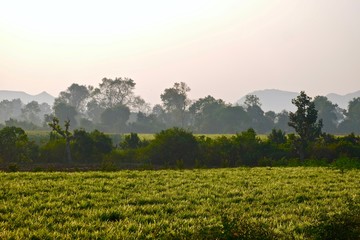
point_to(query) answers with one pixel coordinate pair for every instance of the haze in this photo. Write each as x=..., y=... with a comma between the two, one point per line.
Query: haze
x=222, y=48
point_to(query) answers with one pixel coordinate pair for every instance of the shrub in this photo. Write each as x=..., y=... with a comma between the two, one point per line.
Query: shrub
x=345, y=163
x=15, y=146
x=53, y=151
x=120, y=159
x=277, y=136
x=90, y=147
x=133, y=141
x=248, y=147
x=172, y=145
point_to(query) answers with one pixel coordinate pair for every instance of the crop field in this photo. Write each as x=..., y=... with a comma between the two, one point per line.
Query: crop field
x=257, y=203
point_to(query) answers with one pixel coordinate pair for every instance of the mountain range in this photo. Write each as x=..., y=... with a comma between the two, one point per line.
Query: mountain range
x=278, y=100
x=270, y=99
x=43, y=97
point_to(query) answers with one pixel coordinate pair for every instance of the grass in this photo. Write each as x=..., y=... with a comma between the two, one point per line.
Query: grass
x=260, y=203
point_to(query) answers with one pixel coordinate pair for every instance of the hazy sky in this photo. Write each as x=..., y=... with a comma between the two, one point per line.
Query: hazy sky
x=225, y=48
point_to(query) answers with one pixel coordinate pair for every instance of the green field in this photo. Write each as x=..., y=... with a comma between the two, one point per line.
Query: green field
x=173, y=204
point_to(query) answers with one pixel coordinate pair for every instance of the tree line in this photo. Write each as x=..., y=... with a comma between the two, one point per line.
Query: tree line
x=179, y=148
x=114, y=107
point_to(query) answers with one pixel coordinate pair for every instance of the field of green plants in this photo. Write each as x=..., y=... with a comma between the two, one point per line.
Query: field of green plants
x=252, y=203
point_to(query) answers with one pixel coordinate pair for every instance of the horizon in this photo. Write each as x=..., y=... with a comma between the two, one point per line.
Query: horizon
x=257, y=90
x=224, y=49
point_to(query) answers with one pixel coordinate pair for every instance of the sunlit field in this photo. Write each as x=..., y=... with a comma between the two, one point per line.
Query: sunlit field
x=261, y=203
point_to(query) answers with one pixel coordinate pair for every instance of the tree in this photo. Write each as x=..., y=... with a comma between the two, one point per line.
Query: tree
x=45, y=110
x=281, y=121
x=204, y=114
x=65, y=133
x=172, y=147
x=117, y=92
x=304, y=121
x=147, y=123
x=90, y=147
x=132, y=141
x=232, y=119
x=247, y=147
x=10, y=109
x=277, y=136
x=94, y=110
x=352, y=120
x=30, y=113
x=65, y=112
x=21, y=124
x=252, y=100
x=327, y=111
x=15, y=146
x=76, y=96
x=114, y=119
x=175, y=101
x=259, y=121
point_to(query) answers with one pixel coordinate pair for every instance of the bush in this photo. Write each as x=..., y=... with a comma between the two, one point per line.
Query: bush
x=248, y=148
x=172, y=145
x=277, y=137
x=53, y=151
x=90, y=147
x=133, y=141
x=316, y=163
x=345, y=163
x=215, y=152
x=15, y=146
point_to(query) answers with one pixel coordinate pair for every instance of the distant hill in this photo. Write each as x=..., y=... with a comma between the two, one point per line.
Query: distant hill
x=26, y=98
x=343, y=100
x=278, y=100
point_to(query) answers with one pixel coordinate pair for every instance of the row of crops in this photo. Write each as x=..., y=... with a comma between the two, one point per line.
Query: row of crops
x=237, y=203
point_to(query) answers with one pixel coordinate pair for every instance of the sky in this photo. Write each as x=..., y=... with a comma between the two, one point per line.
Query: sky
x=223, y=48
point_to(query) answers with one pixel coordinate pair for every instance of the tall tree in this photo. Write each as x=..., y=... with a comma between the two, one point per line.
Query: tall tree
x=252, y=100
x=352, y=120
x=205, y=113
x=114, y=119
x=232, y=119
x=282, y=120
x=304, y=121
x=119, y=91
x=76, y=96
x=30, y=113
x=259, y=121
x=175, y=102
x=94, y=110
x=327, y=111
x=10, y=109
x=65, y=112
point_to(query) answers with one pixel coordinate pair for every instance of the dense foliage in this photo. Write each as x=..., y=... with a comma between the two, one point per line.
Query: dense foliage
x=179, y=148
x=172, y=148
x=241, y=203
x=113, y=107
